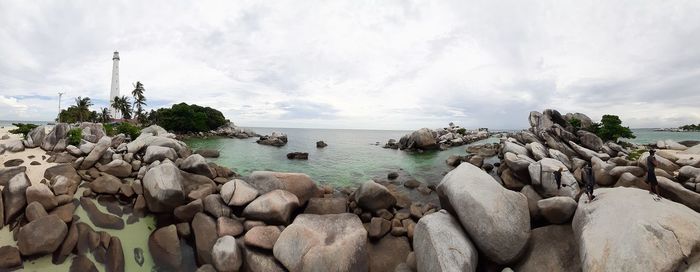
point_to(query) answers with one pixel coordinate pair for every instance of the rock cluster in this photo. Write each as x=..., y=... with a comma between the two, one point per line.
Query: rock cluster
x=428, y=139
x=275, y=139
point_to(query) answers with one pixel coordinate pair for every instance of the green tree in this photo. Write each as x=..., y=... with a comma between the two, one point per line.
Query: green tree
x=104, y=116
x=610, y=129
x=187, y=118
x=83, y=107
x=122, y=105
x=139, y=101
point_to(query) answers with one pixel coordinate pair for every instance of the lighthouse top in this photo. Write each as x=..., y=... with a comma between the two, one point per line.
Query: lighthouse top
x=116, y=56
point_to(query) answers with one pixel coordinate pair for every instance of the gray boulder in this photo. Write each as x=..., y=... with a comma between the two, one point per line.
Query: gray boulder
x=590, y=140
x=478, y=200
x=14, y=196
x=517, y=163
x=159, y=153
x=662, y=233
x=52, y=230
x=164, y=245
x=538, y=150
x=41, y=193
x=226, y=256
x=205, y=236
x=664, y=163
x=617, y=171
x=238, y=193
x=676, y=192
x=275, y=207
x=441, y=245
x=563, y=158
x=58, y=132
x=92, y=132
x=601, y=171
x=542, y=177
x=557, y=210
x=552, y=248
x=14, y=146
x=118, y=168
x=298, y=184
x=332, y=242
x=373, y=196
x=587, y=154
x=105, y=184
x=197, y=164
x=96, y=153
x=163, y=188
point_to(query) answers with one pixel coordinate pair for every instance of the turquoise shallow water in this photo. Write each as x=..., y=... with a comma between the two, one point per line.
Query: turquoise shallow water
x=351, y=156
x=649, y=136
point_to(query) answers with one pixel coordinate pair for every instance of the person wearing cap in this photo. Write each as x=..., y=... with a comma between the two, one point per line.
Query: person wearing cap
x=652, y=163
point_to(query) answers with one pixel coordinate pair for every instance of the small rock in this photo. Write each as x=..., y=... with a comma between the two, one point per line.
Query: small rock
x=262, y=237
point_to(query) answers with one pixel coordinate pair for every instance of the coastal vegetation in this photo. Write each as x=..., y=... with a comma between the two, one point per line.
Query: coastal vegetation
x=610, y=128
x=184, y=118
x=691, y=127
x=74, y=136
x=22, y=128
x=126, y=128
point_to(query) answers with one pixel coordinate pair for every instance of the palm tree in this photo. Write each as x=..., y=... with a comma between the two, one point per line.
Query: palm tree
x=83, y=105
x=139, y=100
x=122, y=105
x=104, y=115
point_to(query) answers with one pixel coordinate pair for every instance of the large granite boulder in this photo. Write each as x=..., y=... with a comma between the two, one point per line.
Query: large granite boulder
x=159, y=153
x=58, y=132
x=164, y=245
x=41, y=193
x=387, y=253
x=9, y=258
x=205, y=236
x=542, y=177
x=563, y=158
x=154, y=130
x=14, y=146
x=538, y=150
x=226, y=256
x=590, y=140
x=275, y=139
x=36, y=136
x=663, y=163
x=41, y=236
x=92, y=132
x=478, y=200
x=146, y=139
x=623, y=222
x=557, y=210
x=7, y=173
x=422, y=139
x=585, y=121
x=440, y=244
x=163, y=188
x=601, y=171
x=517, y=163
x=105, y=184
x=99, y=218
x=552, y=248
x=238, y=193
x=298, y=184
x=514, y=148
x=587, y=154
x=676, y=192
x=332, y=242
x=117, y=168
x=275, y=207
x=100, y=148
x=14, y=196
x=197, y=164
x=373, y=196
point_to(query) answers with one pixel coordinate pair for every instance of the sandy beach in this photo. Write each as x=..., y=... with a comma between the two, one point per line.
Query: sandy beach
x=29, y=155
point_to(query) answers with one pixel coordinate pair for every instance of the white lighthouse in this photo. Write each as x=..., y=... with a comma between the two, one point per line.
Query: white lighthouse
x=114, y=92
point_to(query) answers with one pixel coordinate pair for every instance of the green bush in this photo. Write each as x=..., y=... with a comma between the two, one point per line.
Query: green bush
x=462, y=131
x=634, y=155
x=127, y=128
x=22, y=128
x=575, y=122
x=610, y=129
x=184, y=118
x=74, y=136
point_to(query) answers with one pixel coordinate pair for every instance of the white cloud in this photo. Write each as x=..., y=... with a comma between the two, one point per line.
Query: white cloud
x=363, y=64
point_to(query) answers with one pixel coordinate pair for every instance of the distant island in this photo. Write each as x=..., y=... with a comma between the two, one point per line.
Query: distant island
x=690, y=127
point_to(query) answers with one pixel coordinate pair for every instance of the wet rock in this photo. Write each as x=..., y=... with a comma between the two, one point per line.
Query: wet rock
x=259, y=260
x=117, y=168
x=305, y=244
x=34, y=211
x=321, y=144
x=100, y=219
x=88, y=239
x=216, y=207
x=207, y=153
x=378, y=227
x=13, y=162
x=197, y=164
x=138, y=256
x=298, y=156
x=275, y=207
x=69, y=243
x=96, y=153
x=164, y=245
x=52, y=231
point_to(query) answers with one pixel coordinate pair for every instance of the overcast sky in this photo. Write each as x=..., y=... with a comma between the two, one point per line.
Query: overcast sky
x=360, y=64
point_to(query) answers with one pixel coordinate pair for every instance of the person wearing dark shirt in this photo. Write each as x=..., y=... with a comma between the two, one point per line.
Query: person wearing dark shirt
x=557, y=177
x=590, y=182
x=652, y=163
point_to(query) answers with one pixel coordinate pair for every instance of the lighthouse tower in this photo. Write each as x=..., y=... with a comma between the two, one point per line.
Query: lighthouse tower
x=114, y=92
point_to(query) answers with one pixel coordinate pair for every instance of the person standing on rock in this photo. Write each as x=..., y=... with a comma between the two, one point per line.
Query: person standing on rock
x=652, y=163
x=557, y=177
x=590, y=182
